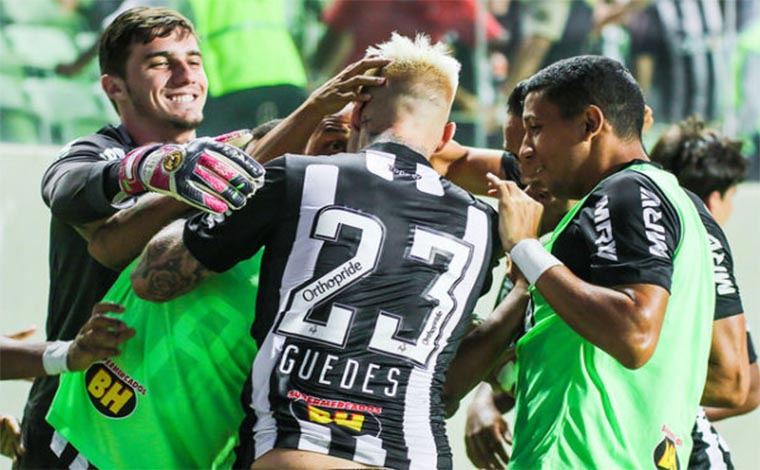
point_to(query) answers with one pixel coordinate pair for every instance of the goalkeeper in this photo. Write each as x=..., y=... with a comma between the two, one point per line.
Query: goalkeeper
x=153, y=75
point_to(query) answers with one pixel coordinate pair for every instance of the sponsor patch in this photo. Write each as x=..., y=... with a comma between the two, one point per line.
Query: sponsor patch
x=665, y=454
x=354, y=418
x=112, y=392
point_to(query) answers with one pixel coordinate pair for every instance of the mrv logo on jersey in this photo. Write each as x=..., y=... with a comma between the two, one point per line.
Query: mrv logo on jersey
x=111, y=390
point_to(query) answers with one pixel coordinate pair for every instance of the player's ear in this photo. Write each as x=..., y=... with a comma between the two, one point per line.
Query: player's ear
x=593, y=118
x=356, y=115
x=448, y=133
x=114, y=86
x=713, y=200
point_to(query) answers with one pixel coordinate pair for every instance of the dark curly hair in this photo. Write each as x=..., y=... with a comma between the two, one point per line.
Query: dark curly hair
x=702, y=159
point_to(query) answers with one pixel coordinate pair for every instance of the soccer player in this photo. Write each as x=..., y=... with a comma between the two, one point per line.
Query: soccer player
x=621, y=294
x=153, y=74
x=372, y=266
x=712, y=166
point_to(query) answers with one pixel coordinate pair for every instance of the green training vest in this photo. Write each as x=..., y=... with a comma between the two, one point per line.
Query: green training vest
x=578, y=407
x=246, y=44
x=172, y=398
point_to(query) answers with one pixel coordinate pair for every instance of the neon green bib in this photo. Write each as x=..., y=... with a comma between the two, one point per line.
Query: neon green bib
x=246, y=44
x=577, y=407
x=172, y=399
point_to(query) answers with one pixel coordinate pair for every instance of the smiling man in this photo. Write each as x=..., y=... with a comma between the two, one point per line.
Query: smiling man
x=612, y=367
x=153, y=74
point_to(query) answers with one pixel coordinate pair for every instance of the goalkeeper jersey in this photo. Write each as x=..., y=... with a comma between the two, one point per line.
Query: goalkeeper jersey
x=578, y=407
x=172, y=398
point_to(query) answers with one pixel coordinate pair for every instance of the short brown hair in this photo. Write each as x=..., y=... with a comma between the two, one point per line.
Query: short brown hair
x=136, y=25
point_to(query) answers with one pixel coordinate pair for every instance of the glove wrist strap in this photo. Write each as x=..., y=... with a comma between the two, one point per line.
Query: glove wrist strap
x=129, y=170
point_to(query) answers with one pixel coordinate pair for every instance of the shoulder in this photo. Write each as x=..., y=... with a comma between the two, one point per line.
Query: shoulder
x=106, y=144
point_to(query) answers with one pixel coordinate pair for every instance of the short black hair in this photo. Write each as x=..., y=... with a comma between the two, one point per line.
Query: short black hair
x=575, y=83
x=701, y=158
x=261, y=130
x=516, y=100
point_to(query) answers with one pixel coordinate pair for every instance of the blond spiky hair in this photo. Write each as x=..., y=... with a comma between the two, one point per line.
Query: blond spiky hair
x=418, y=57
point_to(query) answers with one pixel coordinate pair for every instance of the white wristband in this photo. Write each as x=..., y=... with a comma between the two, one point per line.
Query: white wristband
x=532, y=258
x=55, y=356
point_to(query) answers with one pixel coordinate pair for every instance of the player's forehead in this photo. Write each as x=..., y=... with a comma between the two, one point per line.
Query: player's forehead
x=538, y=106
x=180, y=43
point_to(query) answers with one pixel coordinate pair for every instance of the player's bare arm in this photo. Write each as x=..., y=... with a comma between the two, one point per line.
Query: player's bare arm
x=626, y=320
x=119, y=239
x=728, y=374
x=467, y=166
x=750, y=404
x=167, y=269
x=482, y=349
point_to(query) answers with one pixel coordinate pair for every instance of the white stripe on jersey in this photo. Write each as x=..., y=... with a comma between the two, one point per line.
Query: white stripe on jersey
x=319, y=186
x=716, y=446
x=418, y=433
x=369, y=449
x=265, y=429
x=58, y=443
x=314, y=437
x=381, y=164
x=430, y=181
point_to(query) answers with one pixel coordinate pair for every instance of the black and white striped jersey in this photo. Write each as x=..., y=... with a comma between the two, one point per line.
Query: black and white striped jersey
x=372, y=266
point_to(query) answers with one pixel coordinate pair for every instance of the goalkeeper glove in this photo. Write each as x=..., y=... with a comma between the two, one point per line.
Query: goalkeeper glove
x=206, y=173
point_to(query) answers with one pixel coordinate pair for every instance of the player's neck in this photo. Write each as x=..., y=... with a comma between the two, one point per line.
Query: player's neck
x=144, y=134
x=614, y=153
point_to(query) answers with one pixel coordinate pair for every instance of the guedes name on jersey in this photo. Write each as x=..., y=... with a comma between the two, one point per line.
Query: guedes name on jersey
x=322, y=287
x=348, y=374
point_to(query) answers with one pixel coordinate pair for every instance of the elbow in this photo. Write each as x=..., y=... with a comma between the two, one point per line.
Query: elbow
x=753, y=395
x=636, y=351
x=150, y=287
x=142, y=288
x=140, y=285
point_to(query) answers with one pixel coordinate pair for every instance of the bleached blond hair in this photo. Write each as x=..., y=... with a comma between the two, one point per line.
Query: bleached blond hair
x=419, y=61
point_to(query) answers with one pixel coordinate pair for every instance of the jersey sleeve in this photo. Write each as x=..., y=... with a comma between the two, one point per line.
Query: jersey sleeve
x=728, y=301
x=632, y=231
x=751, y=349
x=80, y=185
x=219, y=242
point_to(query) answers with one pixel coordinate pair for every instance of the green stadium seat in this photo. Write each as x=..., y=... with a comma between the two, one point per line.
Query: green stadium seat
x=40, y=12
x=68, y=108
x=17, y=122
x=41, y=47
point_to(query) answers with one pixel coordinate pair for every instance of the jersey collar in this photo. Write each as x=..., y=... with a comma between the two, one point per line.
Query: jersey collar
x=401, y=151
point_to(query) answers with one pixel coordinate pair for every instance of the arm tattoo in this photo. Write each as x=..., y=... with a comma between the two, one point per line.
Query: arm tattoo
x=167, y=269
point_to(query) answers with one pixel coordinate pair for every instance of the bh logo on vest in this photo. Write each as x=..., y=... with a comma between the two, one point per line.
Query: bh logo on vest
x=111, y=390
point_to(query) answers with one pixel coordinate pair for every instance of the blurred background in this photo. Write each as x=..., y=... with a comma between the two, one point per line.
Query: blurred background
x=691, y=57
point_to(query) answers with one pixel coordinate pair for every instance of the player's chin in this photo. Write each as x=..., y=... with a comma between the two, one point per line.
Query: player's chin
x=187, y=122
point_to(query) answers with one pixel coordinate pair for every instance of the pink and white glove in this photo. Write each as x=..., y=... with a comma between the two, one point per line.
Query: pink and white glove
x=206, y=173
